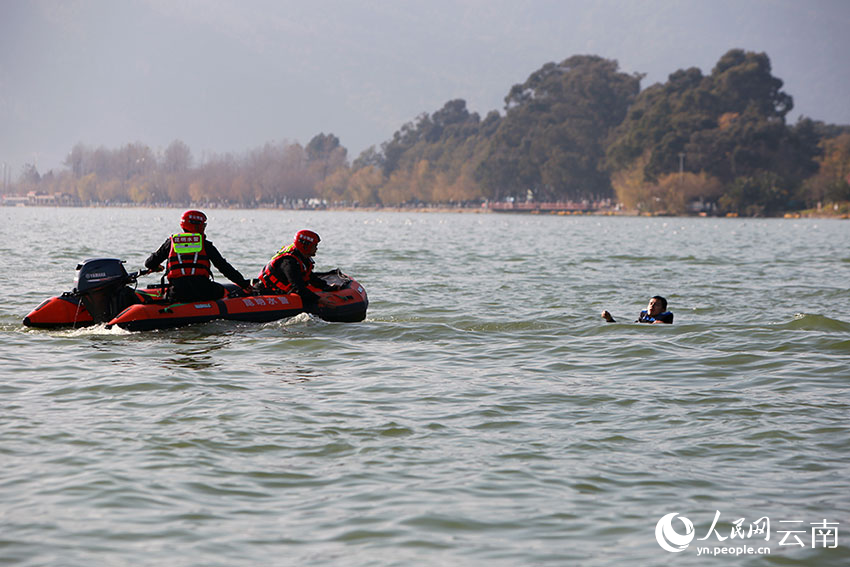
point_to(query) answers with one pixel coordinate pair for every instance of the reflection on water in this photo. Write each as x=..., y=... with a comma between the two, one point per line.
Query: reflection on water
x=194, y=360
x=193, y=348
x=292, y=375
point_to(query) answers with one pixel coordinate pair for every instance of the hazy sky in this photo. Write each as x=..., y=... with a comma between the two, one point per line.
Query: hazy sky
x=231, y=75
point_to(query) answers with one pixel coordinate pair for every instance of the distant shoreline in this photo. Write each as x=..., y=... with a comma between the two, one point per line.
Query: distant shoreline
x=434, y=209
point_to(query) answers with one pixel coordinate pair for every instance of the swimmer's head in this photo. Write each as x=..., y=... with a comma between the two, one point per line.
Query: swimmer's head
x=657, y=305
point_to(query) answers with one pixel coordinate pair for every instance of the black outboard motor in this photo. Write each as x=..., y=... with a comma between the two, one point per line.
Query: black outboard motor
x=100, y=286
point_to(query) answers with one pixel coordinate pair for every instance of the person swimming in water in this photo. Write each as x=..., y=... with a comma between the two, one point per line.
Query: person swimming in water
x=655, y=312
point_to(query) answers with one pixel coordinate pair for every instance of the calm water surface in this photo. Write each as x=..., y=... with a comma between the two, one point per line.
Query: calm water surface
x=483, y=414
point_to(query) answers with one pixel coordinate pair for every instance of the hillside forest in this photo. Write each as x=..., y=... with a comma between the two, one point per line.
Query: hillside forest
x=578, y=131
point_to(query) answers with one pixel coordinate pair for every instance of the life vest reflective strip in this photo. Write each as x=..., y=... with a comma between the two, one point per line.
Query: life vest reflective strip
x=183, y=244
x=268, y=278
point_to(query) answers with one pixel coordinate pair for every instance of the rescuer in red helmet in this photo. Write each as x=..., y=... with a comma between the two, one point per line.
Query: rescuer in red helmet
x=291, y=270
x=189, y=258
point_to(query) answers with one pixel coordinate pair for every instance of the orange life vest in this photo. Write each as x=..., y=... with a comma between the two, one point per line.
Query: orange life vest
x=187, y=256
x=271, y=281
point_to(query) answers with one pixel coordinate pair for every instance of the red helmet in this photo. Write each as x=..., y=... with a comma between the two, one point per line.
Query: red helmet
x=306, y=242
x=193, y=221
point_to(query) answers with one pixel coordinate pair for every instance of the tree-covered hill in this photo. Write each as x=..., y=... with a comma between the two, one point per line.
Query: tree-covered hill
x=578, y=130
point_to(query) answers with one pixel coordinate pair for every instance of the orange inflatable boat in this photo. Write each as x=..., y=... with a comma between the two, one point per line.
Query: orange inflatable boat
x=103, y=294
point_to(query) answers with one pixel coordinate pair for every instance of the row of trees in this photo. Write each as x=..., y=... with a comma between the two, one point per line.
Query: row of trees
x=274, y=174
x=579, y=130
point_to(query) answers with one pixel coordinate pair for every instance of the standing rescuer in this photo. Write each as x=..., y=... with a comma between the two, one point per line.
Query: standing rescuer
x=291, y=270
x=189, y=256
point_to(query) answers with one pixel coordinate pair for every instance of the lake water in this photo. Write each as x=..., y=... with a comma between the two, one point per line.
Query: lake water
x=483, y=414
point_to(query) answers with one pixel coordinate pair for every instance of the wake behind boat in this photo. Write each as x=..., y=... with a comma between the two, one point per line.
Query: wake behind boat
x=103, y=294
